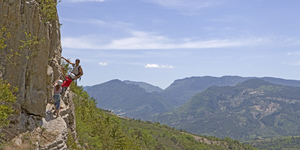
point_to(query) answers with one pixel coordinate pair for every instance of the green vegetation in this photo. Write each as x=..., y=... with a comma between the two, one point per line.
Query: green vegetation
x=7, y=98
x=30, y=43
x=170, y=138
x=99, y=129
x=284, y=143
x=67, y=67
x=96, y=129
x=4, y=35
x=48, y=9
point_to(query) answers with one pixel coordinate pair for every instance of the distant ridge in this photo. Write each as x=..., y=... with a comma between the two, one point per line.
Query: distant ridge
x=254, y=83
x=148, y=87
x=182, y=90
x=284, y=82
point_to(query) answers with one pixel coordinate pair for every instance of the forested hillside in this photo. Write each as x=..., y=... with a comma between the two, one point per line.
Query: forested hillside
x=283, y=143
x=99, y=129
x=128, y=99
x=254, y=109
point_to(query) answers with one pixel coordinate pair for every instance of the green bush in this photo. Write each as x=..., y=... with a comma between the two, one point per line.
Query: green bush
x=48, y=9
x=4, y=35
x=7, y=98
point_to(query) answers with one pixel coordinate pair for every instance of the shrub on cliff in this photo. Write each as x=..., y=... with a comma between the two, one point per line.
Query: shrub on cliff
x=7, y=97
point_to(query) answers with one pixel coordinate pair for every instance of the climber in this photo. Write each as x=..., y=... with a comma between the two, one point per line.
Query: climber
x=57, y=91
x=77, y=69
x=68, y=80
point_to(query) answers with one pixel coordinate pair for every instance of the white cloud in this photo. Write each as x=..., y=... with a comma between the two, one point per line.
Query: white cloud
x=152, y=66
x=159, y=66
x=83, y=42
x=293, y=54
x=296, y=63
x=115, y=25
x=176, y=4
x=75, y=1
x=103, y=64
x=145, y=40
x=185, y=6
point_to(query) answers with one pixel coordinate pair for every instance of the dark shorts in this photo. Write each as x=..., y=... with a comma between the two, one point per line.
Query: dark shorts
x=57, y=101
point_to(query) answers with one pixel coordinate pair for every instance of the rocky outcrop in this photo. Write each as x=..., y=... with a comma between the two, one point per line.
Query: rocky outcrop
x=68, y=113
x=53, y=133
x=30, y=61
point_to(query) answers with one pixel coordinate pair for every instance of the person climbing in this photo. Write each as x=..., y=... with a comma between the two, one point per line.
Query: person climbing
x=57, y=91
x=77, y=69
x=69, y=78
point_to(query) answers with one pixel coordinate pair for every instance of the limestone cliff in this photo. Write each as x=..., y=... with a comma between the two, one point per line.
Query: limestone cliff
x=54, y=132
x=30, y=61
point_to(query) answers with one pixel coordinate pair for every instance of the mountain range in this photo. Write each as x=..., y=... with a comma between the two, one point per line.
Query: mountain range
x=111, y=95
x=242, y=108
x=253, y=109
x=182, y=90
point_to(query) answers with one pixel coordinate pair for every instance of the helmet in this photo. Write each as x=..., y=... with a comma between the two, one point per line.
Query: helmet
x=59, y=82
x=72, y=75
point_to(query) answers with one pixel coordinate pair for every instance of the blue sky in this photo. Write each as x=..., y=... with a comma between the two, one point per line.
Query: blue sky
x=159, y=41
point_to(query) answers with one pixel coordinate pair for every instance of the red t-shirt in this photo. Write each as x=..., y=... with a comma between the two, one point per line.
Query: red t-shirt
x=67, y=82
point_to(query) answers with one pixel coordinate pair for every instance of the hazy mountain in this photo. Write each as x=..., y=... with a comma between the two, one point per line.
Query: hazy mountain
x=180, y=91
x=183, y=90
x=280, y=81
x=249, y=110
x=86, y=87
x=128, y=99
x=148, y=87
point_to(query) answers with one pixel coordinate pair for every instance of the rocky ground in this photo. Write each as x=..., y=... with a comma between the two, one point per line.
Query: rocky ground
x=52, y=135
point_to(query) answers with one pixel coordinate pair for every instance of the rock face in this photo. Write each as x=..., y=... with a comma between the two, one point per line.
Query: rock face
x=30, y=61
x=53, y=133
